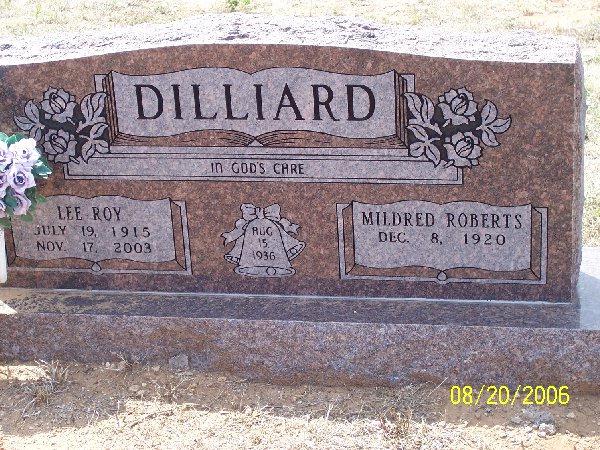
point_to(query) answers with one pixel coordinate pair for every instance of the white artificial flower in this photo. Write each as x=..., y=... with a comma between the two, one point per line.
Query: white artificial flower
x=6, y=156
x=24, y=152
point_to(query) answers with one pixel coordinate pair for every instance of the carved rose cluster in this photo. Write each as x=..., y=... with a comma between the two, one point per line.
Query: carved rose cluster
x=453, y=131
x=67, y=131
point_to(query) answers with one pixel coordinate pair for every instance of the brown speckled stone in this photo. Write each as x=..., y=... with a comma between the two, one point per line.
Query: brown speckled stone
x=343, y=343
x=537, y=82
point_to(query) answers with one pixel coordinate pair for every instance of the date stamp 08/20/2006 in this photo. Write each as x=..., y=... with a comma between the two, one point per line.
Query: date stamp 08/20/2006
x=503, y=395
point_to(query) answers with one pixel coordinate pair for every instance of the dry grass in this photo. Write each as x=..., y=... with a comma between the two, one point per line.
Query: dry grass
x=49, y=379
x=579, y=18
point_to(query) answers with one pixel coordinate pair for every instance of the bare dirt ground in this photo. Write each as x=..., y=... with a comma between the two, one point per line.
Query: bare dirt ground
x=127, y=405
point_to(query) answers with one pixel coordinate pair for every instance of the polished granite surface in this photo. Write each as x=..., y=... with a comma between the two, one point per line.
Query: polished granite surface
x=332, y=309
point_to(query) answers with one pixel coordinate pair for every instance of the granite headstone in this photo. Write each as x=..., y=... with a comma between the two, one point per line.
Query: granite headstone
x=301, y=170
x=305, y=199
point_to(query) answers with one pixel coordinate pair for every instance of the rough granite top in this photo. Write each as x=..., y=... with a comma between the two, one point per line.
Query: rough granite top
x=521, y=46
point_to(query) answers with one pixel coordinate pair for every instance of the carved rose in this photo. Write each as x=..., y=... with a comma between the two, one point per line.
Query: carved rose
x=453, y=131
x=458, y=106
x=59, y=103
x=59, y=145
x=67, y=130
x=463, y=149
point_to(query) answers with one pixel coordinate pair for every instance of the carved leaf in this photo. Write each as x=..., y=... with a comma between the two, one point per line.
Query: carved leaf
x=501, y=125
x=427, y=110
x=24, y=123
x=488, y=137
x=414, y=103
x=492, y=124
x=30, y=122
x=419, y=132
x=97, y=130
x=92, y=107
x=32, y=111
x=432, y=153
x=489, y=112
x=422, y=109
x=93, y=146
x=416, y=149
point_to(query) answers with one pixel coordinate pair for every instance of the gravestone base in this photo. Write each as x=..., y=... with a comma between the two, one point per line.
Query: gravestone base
x=310, y=340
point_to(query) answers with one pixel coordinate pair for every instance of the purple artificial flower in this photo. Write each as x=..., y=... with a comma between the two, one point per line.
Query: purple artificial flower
x=6, y=156
x=20, y=178
x=23, y=204
x=4, y=184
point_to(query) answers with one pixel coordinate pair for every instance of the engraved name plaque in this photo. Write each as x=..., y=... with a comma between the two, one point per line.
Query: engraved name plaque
x=278, y=124
x=247, y=106
x=99, y=229
x=462, y=241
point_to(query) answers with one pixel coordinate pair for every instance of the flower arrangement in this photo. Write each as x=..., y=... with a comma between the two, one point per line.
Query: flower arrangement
x=454, y=131
x=20, y=165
